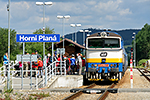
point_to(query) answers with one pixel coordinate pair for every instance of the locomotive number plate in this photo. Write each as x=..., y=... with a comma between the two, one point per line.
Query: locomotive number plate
x=103, y=65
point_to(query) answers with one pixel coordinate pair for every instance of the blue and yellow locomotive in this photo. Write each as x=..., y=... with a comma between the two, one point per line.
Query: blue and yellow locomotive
x=106, y=59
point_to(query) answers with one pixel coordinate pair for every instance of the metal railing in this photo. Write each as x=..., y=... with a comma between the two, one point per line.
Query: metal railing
x=32, y=83
x=3, y=71
x=57, y=68
x=2, y=74
x=18, y=80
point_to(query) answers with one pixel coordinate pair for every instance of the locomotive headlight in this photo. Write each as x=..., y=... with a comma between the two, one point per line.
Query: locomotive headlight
x=103, y=34
x=111, y=65
x=95, y=65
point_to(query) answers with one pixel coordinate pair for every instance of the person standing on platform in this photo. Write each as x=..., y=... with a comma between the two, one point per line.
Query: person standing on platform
x=58, y=64
x=40, y=68
x=73, y=63
x=38, y=56
x=80, y=63
x=5, y=59
x=25, y=67
x=49, y=59
x=67, y=64
x=83, y=64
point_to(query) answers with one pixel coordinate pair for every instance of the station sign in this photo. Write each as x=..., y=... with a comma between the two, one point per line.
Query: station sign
x=37, y=37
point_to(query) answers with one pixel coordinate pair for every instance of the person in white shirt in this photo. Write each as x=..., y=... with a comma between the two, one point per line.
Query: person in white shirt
x=80, y=62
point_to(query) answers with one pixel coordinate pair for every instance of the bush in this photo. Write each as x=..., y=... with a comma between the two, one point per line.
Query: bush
x=142, y=62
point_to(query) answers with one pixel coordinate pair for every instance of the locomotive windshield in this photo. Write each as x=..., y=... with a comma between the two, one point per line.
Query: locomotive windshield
x=103, y=43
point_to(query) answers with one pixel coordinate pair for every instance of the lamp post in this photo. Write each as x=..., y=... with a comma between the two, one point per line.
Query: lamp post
x=84, y=35
x=63, y=29
x=73, y=32
x=8, y=78
x=43, y=4
x=134, y=37
x=75, y=25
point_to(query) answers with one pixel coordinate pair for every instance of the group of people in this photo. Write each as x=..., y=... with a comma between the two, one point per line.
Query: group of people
x=75, y=64
x=36, y=65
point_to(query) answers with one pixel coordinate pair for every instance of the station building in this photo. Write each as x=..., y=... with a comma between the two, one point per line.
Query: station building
x=70, y=47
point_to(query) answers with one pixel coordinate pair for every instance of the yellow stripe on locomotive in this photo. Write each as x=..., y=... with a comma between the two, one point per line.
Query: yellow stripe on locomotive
x=108, y=60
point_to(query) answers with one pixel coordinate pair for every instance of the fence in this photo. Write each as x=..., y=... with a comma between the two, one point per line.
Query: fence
x=2, y=75
x=19, y=82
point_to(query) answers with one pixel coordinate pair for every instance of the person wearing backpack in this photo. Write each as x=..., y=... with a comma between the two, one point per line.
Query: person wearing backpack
x=49, y=59
x=73, y=63
x=40, y=68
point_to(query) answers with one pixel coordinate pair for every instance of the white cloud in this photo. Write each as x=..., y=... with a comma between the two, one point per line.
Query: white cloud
x=26, y=16
x=91, y=3
x=22, y=4
x=40, y=19
x=3, y=14
x=125, y=12
x=110, y=17
x=109, y=6
x=143, y=0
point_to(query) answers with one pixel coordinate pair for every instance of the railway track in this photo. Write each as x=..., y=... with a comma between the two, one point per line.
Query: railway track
x=105, y=94
x=78, y=93
x=93, y=91
x=145, y=73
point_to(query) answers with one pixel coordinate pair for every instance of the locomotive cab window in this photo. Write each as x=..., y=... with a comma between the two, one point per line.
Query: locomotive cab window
x=103, y=43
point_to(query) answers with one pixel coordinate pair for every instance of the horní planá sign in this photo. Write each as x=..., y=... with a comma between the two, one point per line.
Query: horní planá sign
x=37, y=37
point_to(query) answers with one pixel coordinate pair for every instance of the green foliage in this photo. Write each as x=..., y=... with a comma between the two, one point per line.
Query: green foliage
x=143, y=43
x=14, y=46
x=71, y=45
x=38, y=46
x=41, y=95
x=141, y=62
x=9, y=91
x=7, y=97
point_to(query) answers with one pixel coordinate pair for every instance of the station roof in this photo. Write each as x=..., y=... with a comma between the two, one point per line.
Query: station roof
x=68, y=41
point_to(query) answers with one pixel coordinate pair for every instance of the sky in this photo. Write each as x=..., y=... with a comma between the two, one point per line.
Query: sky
x=26, y=16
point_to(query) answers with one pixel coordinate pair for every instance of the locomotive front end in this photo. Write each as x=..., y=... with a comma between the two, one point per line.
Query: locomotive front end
x=104, y=57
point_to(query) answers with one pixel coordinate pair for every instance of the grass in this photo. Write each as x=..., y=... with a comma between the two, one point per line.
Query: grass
x=9, y=91
x=41, y=95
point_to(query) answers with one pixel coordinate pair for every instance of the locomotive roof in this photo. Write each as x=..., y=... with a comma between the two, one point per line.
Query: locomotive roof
x=108, y=32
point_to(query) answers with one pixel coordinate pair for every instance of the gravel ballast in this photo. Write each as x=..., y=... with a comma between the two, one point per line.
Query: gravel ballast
x=139, y=83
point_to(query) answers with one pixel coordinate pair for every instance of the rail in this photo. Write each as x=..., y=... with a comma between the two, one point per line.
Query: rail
x=144, y=74
x=105, y=94
x=73, y=96
x=90, y=90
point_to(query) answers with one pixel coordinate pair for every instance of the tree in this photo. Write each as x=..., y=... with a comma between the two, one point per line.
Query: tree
x=38, y=46
x=143, y=43
x=14, y=46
